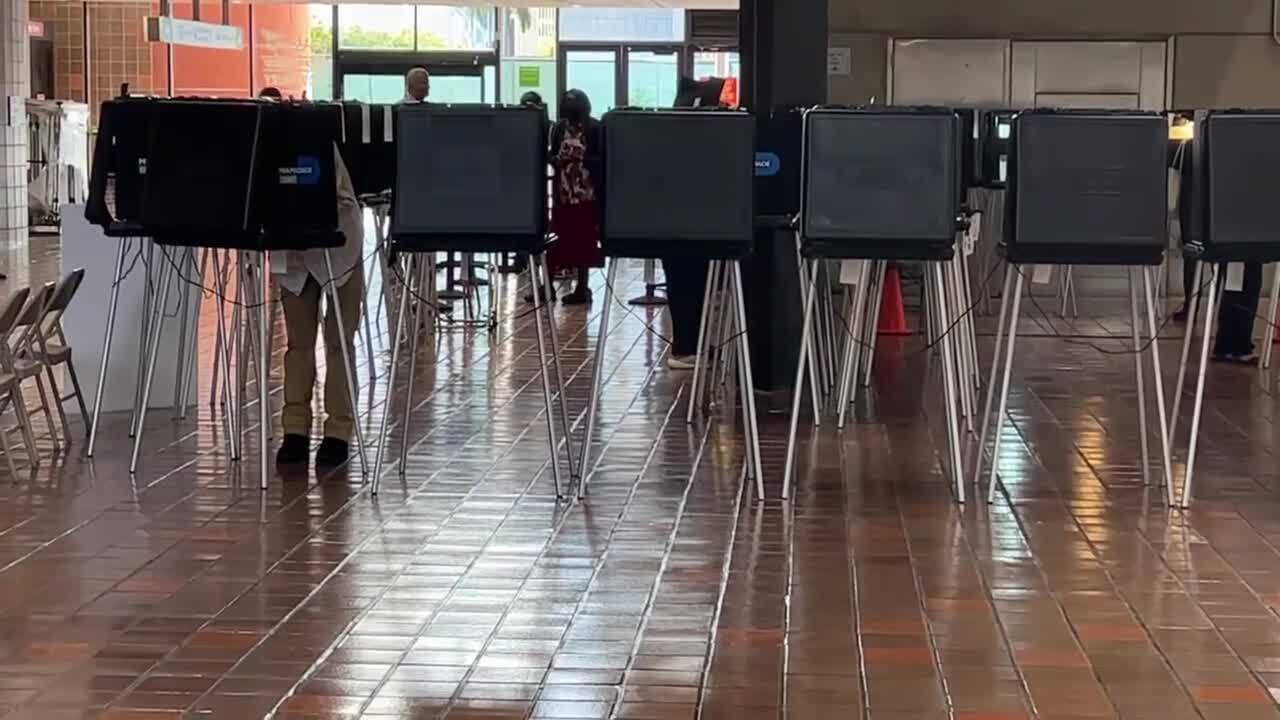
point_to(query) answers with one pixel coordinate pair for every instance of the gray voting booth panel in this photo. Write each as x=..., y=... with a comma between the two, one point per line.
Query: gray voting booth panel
x=678, y=183
x=881, y=183
x=469, y=178
x=1240, y=153
x=1088, y=187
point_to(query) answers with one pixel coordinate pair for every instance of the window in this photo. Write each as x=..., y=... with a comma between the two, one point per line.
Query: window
x=520, y=76
x=375, y=27
x=716, y=63
x=529, y=32
x=635, y=25
x=421, y=28
x=320, y=75
x=455, y=28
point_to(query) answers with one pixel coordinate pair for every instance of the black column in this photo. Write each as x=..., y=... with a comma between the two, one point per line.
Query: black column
x=783, y=46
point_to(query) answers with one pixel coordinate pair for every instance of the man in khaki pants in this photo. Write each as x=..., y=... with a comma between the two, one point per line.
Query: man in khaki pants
x=304, y=278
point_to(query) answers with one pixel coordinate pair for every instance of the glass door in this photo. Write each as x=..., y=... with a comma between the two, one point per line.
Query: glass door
x=594, y=71
x=653, y=76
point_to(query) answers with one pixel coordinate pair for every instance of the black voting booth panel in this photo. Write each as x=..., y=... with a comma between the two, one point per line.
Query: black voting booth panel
x=1088, y=187
x=678, y=183
x=369, y=147
x=300, y=208
x=469, y=178
x=881, y=183
x=1235, y=174
x=119, y=165
x=205, y=176
x=777, y=171
x=248, y=175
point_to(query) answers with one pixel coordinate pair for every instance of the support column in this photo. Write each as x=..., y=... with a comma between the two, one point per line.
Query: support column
x=15, y=86
x=783, y=45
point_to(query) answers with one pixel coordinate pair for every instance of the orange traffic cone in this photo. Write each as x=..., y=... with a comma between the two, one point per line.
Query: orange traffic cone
x=893, y=317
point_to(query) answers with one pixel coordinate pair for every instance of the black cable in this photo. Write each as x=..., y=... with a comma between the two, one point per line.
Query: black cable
x=213, y=292
x=1089, y=343
x=928, y=346
x=654, y=331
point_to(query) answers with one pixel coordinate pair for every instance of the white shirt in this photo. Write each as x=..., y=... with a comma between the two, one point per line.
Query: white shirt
x=291, y=267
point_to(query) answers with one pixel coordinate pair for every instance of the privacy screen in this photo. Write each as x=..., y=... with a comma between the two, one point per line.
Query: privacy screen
x=202, y=167
x=1242, y=150
x=469, y=171
x=679, y=176
x=880, y=176
x=1094, y=180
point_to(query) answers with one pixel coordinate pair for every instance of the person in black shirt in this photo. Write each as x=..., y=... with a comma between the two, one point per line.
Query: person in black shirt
x=1239, y=308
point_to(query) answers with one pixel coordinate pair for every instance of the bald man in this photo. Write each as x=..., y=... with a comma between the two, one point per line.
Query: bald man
x=417, y=85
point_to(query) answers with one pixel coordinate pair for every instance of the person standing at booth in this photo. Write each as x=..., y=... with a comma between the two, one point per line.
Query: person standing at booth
x=577, y=153
x=417, y=85
x=303, y=277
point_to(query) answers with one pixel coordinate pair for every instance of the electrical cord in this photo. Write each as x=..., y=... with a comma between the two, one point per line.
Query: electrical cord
x=928, y=346
x=1143, y=347
x=617, y=299
x=213, y=292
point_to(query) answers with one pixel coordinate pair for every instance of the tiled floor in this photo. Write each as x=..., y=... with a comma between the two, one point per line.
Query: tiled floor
x=465, y=590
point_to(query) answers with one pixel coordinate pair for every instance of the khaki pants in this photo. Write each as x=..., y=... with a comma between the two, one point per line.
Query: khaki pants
x=301, y=316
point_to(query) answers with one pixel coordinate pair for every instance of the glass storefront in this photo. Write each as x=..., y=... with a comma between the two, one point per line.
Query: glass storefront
x=618, y=56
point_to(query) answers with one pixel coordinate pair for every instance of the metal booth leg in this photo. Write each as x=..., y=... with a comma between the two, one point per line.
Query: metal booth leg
x=107, y=339
x=554, y=334
x=391, y=385
x=150, y=371
x=702, y=359
x=1166, y=452
x=1136, y=324
x=1010, y=344
x=1269, y=337
x=991, y=380
x=413, y=288
x=853, y=344
x=1193, y=309
x=264, y=372
x=808, y=290
x=538, y=302
x=222, y=359
x=952, y=401
x=584, y=470
x=871, y=324
x=1197, y=407
x=798, y=388
x=349, y=362
x=751, y=424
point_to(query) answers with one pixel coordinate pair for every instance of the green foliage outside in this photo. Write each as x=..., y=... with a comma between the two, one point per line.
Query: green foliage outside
x=355, y=36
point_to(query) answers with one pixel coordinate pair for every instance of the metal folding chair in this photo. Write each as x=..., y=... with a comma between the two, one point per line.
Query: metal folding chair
x=51, y=348
x=10, y=388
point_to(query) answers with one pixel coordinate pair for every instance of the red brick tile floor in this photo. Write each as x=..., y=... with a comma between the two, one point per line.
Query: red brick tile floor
x=465, y=591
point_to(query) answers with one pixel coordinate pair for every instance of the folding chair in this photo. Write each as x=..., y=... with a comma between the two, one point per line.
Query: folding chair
x=21, y=358
x=10, y=387
x=51, y=348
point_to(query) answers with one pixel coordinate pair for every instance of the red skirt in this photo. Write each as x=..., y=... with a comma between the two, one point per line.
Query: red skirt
x=578, y=229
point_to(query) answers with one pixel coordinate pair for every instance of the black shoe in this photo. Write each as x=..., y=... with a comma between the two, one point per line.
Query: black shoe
x=293, y=450
x=577, y=297
x=332, y=452
x=1181, y=314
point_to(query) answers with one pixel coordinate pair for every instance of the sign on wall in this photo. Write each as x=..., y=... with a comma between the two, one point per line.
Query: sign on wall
x=192, y=33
